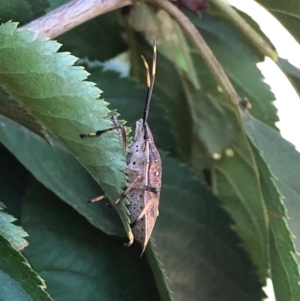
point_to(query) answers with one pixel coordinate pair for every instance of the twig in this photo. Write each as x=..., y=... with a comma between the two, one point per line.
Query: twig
x=256, y=39
x=77, y=12
x=71, y=15
x=211, y=61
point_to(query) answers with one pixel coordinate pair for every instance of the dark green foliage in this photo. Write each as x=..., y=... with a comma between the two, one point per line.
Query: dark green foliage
x=217, y=240
x=100, y=38
x=98, y=268
x=287, y=12
x=22, y=11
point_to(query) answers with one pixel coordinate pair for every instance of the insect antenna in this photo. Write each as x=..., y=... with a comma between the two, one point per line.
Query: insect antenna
x=150, y=85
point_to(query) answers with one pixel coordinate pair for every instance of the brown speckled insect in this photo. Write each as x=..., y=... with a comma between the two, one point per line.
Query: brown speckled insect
x=144, y=170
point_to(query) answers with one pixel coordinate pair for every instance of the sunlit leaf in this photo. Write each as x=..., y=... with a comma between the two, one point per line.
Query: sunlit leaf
x=52, y=89
x=284, y=268
x=284, y=163
x=11, y=232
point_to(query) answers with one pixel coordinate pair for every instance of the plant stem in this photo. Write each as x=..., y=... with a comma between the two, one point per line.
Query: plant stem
x=211, y=61
x=262, y=45
x=77, y=12
x=71, y=15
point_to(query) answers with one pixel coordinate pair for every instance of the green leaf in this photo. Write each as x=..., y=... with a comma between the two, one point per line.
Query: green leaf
x=99, y=38
x=65, y=176
x=289, y=69
x=172, y=42
x=227, y=46
x=11, y=109
x=207, y=115
x=158, y=272
x=60, y=172
x=214, y=123
x=236, y=180
x=58, y=165
x=38, y=7
x=214, y=127
x=56, y=3
x=193, y=240
x=22, y=11
x=235, y=176
x=46, y=82
x=18, y=10
x=287, y=12
x=11, y=189
x=200, y=253
x=284, y=163
x=284, y=268
x=204, y=235
x=292, y=72
x=18, y=280
x=12, y=233
x=85, y=264
x=243, y=201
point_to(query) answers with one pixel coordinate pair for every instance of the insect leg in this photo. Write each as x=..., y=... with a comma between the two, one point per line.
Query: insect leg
x=116, y=126
x=144, y=187
x=96, y=199
x=98, y=133
x=129, y=187
x=152, y=189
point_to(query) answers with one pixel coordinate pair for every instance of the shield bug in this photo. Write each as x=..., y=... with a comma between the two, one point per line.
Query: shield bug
x=143, y=169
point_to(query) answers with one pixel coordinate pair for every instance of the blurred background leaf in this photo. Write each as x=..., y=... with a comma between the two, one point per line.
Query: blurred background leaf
x=18, y=280
x=99, y=38
x=287, y=12
x=284, y=268
x=86, y=264
x=193, y=226
x=284, y=163
x=22, y=11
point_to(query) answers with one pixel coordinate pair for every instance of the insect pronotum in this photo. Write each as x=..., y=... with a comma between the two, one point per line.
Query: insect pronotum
x=143, y=169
